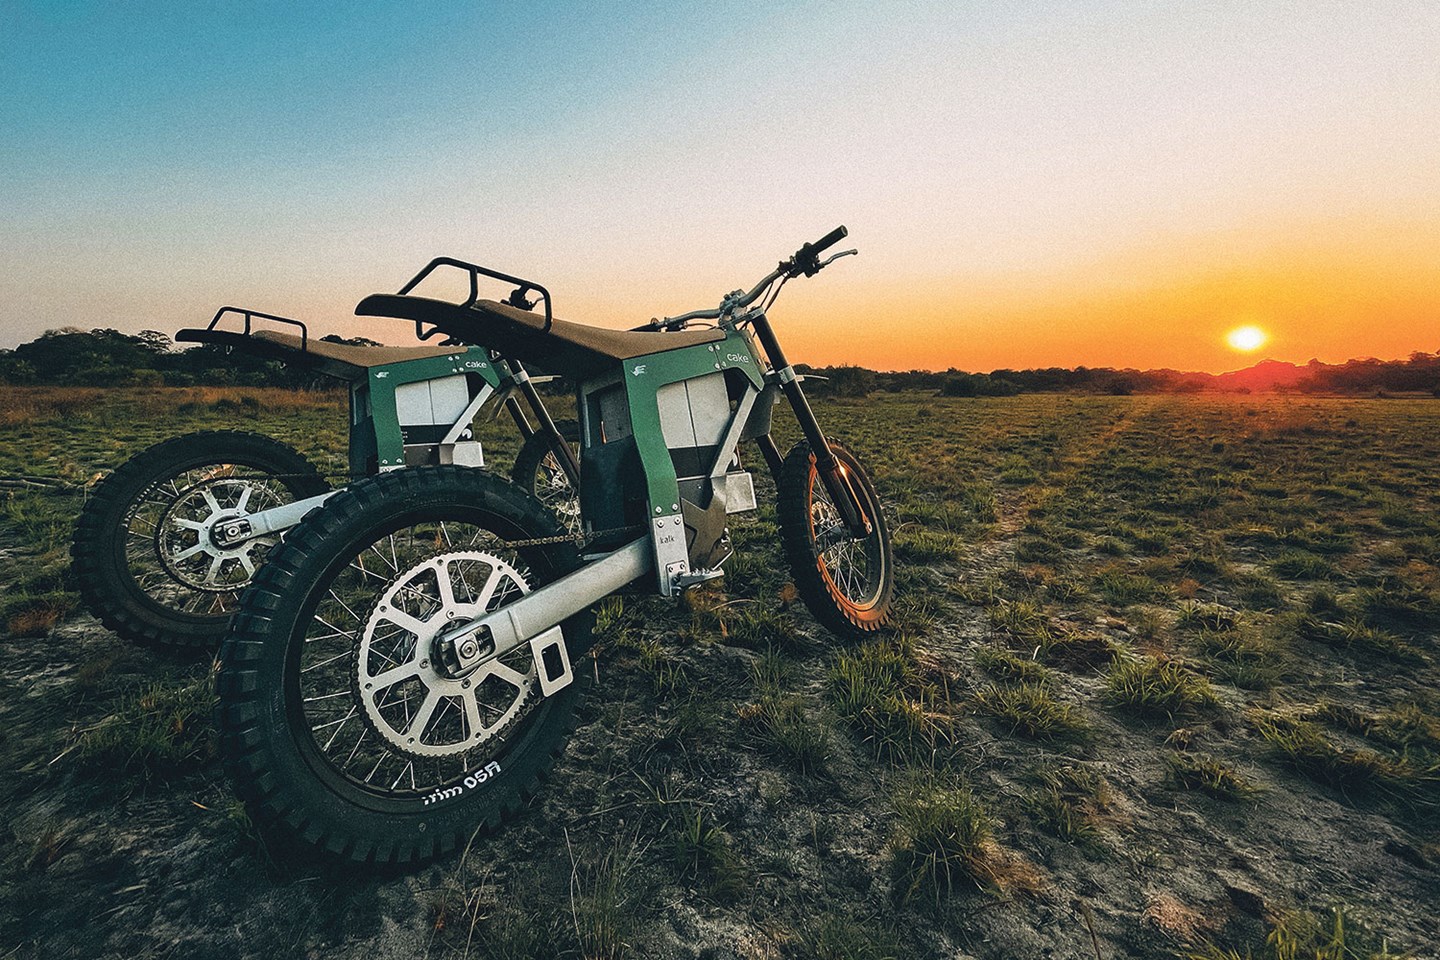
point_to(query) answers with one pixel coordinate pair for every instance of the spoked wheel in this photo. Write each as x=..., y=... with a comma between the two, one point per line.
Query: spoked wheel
x=538, y=472
x=847, y=582
x=147, y=562
x=339, y=724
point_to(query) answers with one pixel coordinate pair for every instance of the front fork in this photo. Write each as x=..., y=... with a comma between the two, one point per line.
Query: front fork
x=558, y=446
x=837, y=482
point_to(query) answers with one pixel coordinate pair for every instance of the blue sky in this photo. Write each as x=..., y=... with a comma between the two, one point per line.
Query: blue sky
x=1010, y=172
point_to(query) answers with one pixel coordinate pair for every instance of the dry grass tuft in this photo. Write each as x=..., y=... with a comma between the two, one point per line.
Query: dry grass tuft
x=1031, y=710
x=1207, y=774
x=37, y=620
x=1166, y=913
x=1149, y=687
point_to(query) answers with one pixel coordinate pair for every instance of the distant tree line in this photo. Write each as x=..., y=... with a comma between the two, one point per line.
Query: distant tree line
x=847, y=381
x=108, y=358
x=1420, y=372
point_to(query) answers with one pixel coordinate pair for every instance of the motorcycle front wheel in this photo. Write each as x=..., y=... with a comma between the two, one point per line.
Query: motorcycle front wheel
x=845, y=581
x=339, y=727
x=537, y=471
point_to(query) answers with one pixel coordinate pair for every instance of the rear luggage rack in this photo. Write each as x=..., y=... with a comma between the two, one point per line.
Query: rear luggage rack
x=249, y=314
x=340, y=360
x=516, y=299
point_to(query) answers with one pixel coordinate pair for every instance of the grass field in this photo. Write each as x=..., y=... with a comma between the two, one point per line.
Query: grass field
x=1163, y=683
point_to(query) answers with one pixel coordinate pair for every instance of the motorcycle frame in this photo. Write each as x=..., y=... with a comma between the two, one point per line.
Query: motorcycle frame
x=661, y=551
x=644, y=380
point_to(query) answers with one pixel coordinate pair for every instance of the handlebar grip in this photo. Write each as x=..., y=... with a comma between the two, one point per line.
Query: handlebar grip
x=830, y=239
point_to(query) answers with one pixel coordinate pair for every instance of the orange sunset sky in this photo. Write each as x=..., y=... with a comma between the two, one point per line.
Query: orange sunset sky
x=1029, y=184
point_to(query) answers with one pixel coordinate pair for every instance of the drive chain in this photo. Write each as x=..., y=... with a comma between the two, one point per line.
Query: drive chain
x=576, y=538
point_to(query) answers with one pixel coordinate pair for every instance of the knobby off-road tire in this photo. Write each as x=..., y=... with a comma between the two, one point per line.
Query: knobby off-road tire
x=304, y=769
x=846, y=583
x=124, y=579
x=537, y=472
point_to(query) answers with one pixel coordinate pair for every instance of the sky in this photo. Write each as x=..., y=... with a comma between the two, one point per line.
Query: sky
x=1028, y=184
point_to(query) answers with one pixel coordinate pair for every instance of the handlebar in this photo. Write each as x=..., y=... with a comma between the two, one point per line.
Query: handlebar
x=806, y=260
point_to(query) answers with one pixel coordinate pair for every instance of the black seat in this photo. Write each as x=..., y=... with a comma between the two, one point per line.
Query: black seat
x=569, y=349
x=345, y=361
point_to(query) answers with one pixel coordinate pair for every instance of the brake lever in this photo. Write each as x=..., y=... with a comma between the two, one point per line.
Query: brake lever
x=843, y=253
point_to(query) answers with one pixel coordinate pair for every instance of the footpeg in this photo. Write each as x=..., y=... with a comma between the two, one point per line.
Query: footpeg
x=552, y=661
x=686, y=580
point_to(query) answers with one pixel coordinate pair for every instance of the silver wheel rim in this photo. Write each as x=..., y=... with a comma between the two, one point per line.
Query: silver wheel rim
x=553, y=488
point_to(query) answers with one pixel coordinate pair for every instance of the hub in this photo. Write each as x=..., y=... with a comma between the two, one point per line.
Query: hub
x=228, y=532
x=450, y=654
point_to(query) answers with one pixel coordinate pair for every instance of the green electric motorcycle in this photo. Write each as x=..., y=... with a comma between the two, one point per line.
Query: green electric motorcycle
x=400, y=672
x=166, y=543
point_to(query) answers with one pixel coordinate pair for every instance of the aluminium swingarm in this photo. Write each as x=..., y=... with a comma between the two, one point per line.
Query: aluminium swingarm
x=231, y=533
x=481, y=640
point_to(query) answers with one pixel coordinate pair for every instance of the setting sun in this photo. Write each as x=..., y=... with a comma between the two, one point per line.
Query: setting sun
x=1247, y=339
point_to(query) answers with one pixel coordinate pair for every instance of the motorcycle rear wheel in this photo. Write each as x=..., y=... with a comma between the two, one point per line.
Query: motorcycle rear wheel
x=337, y=726
x=142, y=556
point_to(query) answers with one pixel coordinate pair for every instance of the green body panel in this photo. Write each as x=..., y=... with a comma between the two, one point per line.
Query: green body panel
x=644, y=376
x=374, y=426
